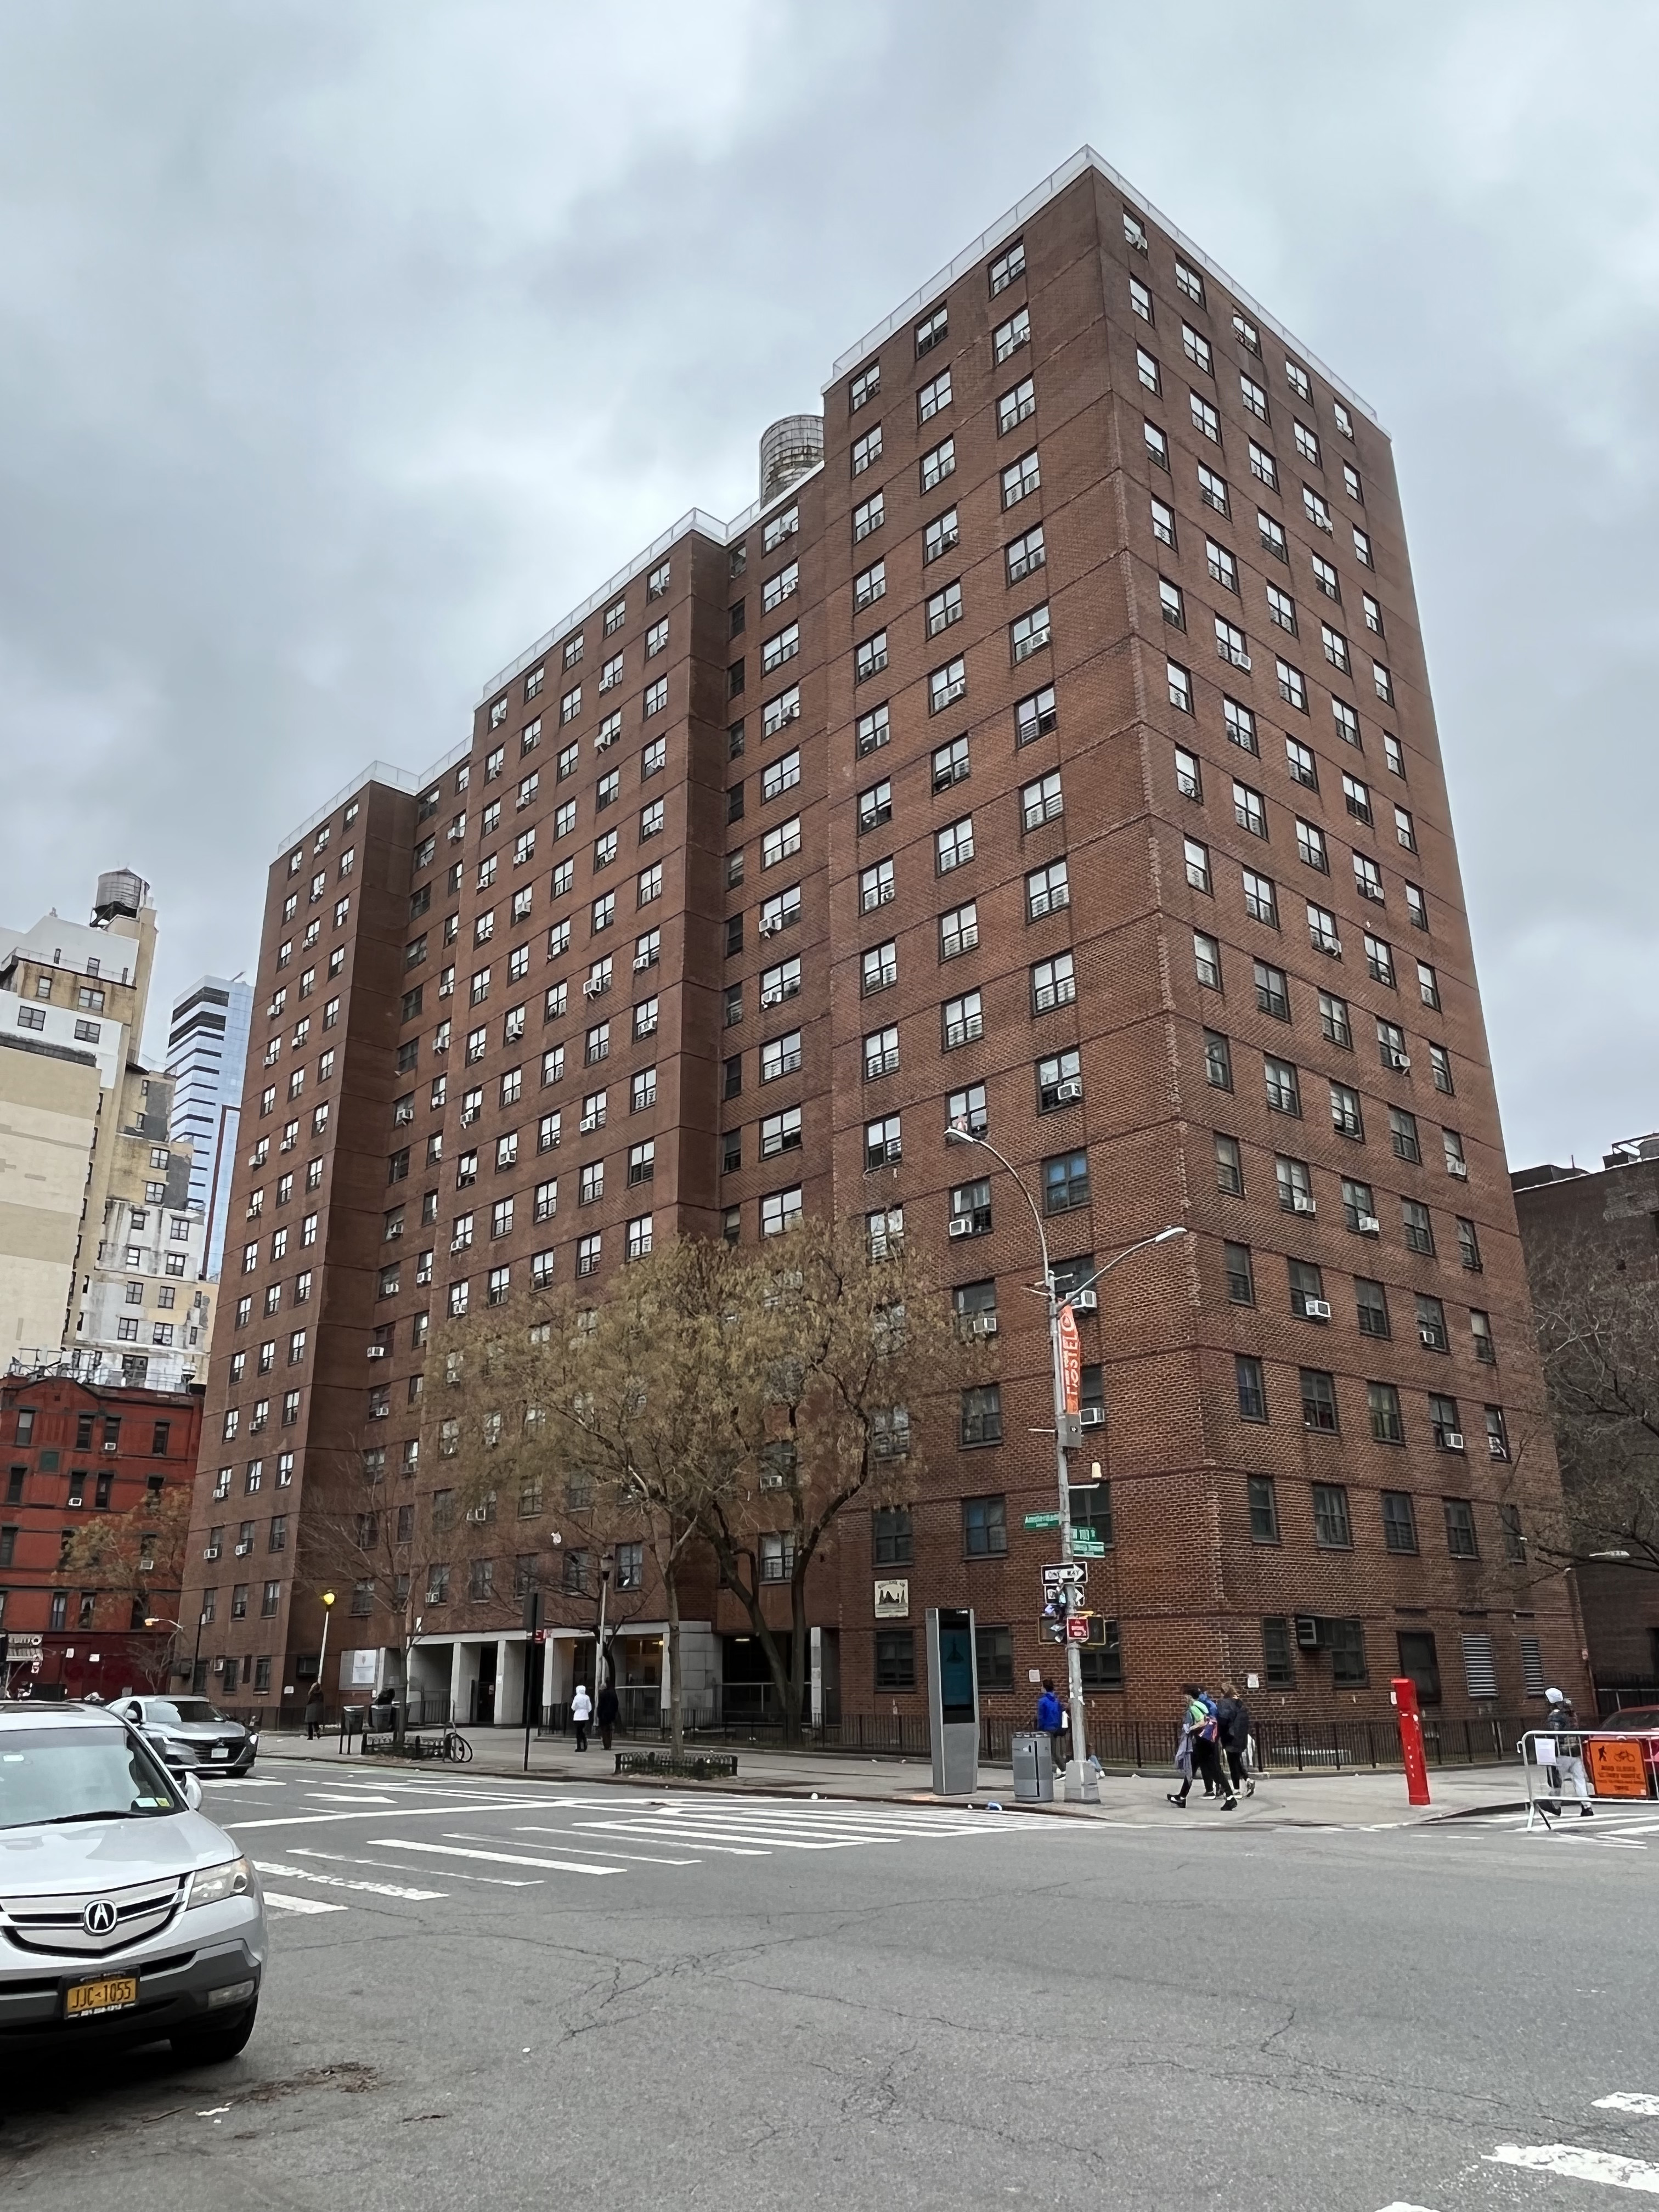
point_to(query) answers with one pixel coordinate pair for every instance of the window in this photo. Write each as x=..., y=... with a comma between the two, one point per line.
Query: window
x=963, y=1020
x=781, y=842
x=1264, y=1508
x=1440, y=1066
x=1252, y=1388
x=966, y=1109
x=1228, y=1166
x=951, y=764
x=944, y=608
x=980, y=1420
x=1206, y=421
x=1006, y=267
x=866, y=449
x=1065, y=1182
x=1014, y=407
x=781, y=1132
x=1362, y=546
x=1180, y=686
x=1060, y=1081
x=1370, y=1306
x=1283, y=1093
x=780, y=1056
x=1212, y=488
x=1250, y=810
x=932, y=330
x=869, y=586
x=1447, y=1427
x=1273, y=991
x=1241, y=1275
x=945, y=685
x=874, y=729
x=1206, y=960
x=1278, y=1654
x=1348, y=1647
x=1417, y=909
x=1263, y=467
x=1239, y=724
x=1416, y=1227
x=1008, y=338
x=937, y=463
x=1054, y=983
x=870, y=658
x=1515, y=1543
x=1295, y=1186
x=1024, y=555
x=1281, y=609
x=880, y=967
x=780, y=1211
x=970, y=1203
x=1046, y=890
x=1029, y=633
x=1402, y=1134
x=1198, y=864
x=1260, y=899
x=1461, y=1540
x=1379, y=961
x=881, y=1054
x=1469, y=1245
x=1189, y=777
x=895, y=1659
x=984, y=1528
x=1043, y=802
x=1019, y=480
x=1147, y=369
x=1292, y=686
x=1486, y=1350
x=1332, y=1529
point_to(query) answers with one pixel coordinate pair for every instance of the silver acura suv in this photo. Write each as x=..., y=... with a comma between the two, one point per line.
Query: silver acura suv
x=124, y=1912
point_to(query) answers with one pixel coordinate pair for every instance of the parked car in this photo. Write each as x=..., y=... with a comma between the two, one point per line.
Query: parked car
x=191, y=1734
x=124, y=1913
x=1628, y=1720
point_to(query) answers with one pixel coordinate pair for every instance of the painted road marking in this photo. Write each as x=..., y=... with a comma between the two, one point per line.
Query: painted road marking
x=275, y=1897
x=496, y=1858
x=600, y=1851
x=340, y=1881
x=1630, y=2100
x=390, y=1866
x=1400, y=2206
x=1574, y=2164
x=356, y=1797
x=322, y=1819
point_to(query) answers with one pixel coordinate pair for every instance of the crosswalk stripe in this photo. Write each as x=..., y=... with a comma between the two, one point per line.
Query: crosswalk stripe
x=696, y=1832
x=1630, y=2100
x=1400, y=2206
x=378, y=1813
x=1575, y=2164
x=341, y=1882
x=496, y=1858
x=449, y=1874
x=282, y=1903
x=603, y=1850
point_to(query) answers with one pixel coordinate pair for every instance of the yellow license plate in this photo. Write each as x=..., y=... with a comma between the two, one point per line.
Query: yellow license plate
x=87, y=2000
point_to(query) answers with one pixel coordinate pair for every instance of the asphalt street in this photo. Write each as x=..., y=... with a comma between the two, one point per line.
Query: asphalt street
x=487, y=1994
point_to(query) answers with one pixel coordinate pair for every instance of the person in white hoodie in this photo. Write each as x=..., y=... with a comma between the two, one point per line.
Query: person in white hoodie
x=581, y=1711
x=1569, y=1763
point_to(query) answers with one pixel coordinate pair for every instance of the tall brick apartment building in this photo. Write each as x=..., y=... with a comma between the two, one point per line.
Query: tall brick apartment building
x=1048, y=752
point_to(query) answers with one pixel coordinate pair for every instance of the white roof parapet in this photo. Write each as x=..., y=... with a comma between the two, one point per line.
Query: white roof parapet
x=1068, y=173
x=377, y=771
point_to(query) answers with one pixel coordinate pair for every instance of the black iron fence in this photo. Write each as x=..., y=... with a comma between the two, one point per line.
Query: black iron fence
x=291, y=1719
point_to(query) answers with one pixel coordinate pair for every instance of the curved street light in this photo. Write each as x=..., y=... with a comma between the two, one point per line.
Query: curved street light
x=1081, y=1786
x=156, y=1620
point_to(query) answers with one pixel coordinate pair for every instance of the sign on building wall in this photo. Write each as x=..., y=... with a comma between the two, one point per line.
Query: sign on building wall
x=893, y=1600
x=357, y=1669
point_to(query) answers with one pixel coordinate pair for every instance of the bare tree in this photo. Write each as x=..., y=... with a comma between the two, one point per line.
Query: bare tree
x=138, y=1555
x=1598, y=1331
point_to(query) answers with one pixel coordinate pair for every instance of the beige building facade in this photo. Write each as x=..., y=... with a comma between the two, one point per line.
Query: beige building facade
x=101, y=1251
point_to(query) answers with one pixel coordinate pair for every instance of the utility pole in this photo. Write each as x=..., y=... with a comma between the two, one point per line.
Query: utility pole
x=1082, y=1787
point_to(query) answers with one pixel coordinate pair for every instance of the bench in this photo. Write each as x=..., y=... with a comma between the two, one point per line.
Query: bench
x=699, y=1766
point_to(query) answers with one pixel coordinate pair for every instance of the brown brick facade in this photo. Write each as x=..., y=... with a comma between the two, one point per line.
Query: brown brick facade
x=1043, y=730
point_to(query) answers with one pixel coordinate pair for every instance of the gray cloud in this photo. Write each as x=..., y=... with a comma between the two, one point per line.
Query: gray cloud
x=341, y=350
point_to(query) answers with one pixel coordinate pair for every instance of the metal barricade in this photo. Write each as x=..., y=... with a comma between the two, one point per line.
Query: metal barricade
x=1613, y=1765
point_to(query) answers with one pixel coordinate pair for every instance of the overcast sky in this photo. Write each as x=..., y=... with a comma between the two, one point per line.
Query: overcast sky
x=344, y=347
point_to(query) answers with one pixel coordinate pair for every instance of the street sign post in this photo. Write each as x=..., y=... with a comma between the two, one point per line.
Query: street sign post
x=1077, y=1628
x=1064, y=1571
x=1086, y=1544
x=1033, y=1522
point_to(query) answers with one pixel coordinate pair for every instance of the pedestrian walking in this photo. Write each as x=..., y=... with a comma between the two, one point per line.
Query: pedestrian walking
x=606, y=1710
x=313, y=1713
x=581, y=1711
x=1200, y=1751
x=1569, y=1763
x=1233, y=1720
x=1051, y=1722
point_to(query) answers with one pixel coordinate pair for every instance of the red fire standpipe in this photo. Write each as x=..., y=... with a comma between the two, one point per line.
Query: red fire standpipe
x=1403, y=1693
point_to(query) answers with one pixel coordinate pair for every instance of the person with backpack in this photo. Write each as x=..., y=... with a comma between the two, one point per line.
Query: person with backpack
x=1200, y=1744
x=1233, y=1718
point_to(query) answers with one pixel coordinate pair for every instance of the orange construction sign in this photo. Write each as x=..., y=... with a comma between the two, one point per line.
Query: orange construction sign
x=1071, y=1359
x=1618, y=1766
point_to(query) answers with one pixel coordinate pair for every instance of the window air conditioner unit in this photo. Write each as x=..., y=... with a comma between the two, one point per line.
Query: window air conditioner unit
x=1085, y=1302
x=769, y=928
x=109, y=1447
x=604, y=742
x=771, y=998
x=1370, y=1226
x=588, y=1122
x=1307, y=1632
x=1316, y=1308
x=893, y=1149
x=1093, y=1417
x=641, y=961
x=1454, y=1440
x=377, y=1351
x=962, y=1226
x=210, y=1550
x=1498, y=1448
x=380, y=1412
x=242, y=1550
x=1068, y=1093
x=982, y=1324
x=1402, y=1061
x=1458, y=1168
x=456, y=833
x=1333, y=952
x=1428, y=1339
x=1301, y=1203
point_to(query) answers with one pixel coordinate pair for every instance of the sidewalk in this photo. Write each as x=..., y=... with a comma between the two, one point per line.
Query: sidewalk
x=1312, y=1800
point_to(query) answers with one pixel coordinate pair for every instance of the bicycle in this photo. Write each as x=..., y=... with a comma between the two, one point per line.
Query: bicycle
x=454, y=1746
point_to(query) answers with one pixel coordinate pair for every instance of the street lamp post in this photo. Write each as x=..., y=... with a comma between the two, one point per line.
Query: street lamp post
x=322, y=1657
x=1081, y=1785
x=154, y=1620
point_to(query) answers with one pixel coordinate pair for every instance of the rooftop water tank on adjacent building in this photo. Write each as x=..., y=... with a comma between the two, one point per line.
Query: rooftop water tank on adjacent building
x=119, y=891
x=788, y=447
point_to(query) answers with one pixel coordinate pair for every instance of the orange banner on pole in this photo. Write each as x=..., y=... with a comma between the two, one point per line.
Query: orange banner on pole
x=1071, y=1359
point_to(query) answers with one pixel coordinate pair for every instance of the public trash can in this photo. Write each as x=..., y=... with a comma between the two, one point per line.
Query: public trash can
x=1034, y=1769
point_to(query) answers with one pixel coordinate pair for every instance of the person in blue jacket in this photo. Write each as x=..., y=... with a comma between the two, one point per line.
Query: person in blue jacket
x=1051, y=1722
